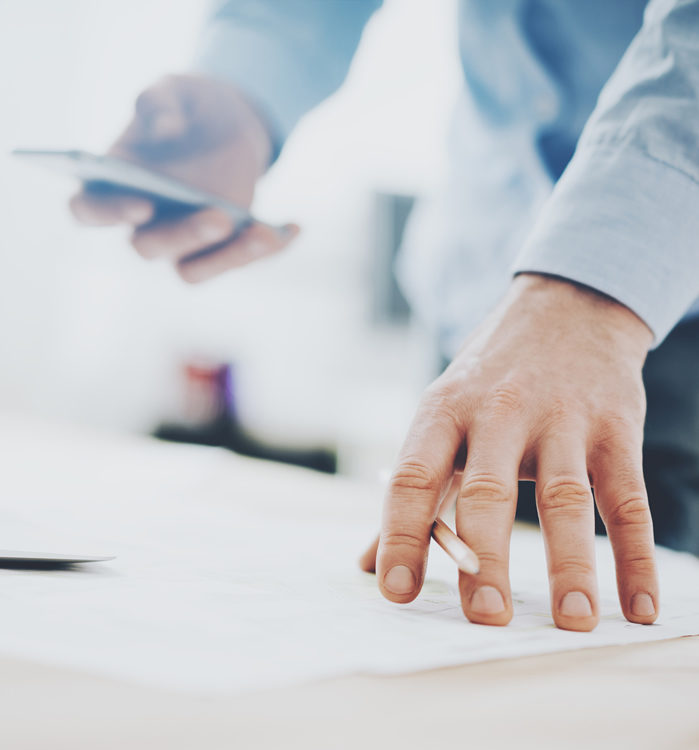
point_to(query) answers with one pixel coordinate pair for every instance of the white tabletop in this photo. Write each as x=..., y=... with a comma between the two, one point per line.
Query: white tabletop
x=63, y=692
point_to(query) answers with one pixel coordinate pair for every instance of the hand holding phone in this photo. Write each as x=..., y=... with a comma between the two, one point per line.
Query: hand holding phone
x=198, y=136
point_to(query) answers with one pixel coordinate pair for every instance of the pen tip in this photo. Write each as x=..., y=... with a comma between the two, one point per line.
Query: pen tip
x=469, y=569
x=469, y=565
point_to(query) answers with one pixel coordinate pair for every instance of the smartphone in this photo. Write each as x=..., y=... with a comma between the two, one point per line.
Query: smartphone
x=109, y=174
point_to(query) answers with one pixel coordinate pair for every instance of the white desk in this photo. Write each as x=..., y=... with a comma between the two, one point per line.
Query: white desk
x=625, y=696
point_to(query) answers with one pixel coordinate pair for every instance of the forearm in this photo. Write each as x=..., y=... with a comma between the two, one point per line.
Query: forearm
x=287, y=56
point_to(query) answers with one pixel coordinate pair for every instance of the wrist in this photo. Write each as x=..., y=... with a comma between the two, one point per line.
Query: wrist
x=244, y=118
x=257, y=133
x=573, y=308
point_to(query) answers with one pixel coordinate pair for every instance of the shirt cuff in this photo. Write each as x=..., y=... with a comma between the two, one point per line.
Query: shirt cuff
x=626, y=225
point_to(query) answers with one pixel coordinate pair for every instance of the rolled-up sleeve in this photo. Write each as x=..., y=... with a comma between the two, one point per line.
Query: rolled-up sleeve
x=287, y=56
x=624, y=217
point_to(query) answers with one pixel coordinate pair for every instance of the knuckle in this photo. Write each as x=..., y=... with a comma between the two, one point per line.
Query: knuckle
x=572, y=566
x=640, y=563
x=619, y=440
x=639, y=557
x=563, y=493
x=506, y=399
x=490, y=560
x=439, y=399
x=415, y=475
x=485, y=488
x=629, y=511
x=447, y=399
x=404, y=538
x=558, y=411
x=618, y=431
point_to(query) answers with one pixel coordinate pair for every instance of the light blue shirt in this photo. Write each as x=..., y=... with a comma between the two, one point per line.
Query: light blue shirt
x=575, y=144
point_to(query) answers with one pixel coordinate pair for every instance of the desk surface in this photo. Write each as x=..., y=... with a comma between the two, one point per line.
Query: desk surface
x=642, y=696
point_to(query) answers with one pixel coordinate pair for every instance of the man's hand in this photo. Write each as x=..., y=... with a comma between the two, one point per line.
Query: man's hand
x=549, y=389
x=204, y=133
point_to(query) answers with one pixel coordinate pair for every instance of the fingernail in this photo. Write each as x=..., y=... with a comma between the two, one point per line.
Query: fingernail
x=642, y=605
x=399, y=580
x=137, y=214
x=210, y=233
x=575, y=604
x=487, y=600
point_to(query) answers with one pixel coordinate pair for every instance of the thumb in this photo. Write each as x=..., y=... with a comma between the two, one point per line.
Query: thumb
x=367, y=562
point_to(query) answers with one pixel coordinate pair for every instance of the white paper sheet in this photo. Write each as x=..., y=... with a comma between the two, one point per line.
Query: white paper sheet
x=234, y=575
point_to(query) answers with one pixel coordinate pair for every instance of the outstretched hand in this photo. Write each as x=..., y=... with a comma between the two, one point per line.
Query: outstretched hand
x=548, y=389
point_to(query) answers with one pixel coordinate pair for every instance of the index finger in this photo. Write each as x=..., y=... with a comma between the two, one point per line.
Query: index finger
x=111, y=209
x=422, y=474
x=367, y=562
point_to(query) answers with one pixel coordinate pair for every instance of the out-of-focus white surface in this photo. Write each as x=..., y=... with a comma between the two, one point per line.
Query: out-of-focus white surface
x=232, y=575
x=92, y=333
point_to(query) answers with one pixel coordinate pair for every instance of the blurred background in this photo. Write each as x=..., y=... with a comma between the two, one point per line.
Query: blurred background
x=314, y=352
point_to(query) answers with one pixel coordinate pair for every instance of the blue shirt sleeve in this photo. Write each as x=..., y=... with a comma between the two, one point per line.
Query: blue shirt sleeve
x=287, y=56
x=624, y=217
